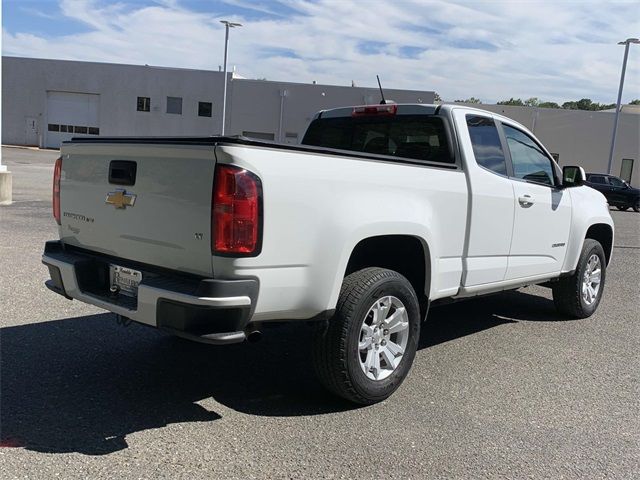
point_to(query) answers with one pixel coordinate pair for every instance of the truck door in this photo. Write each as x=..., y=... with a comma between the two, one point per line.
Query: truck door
x=490, y=224
x=618, y=192
x=542, y=210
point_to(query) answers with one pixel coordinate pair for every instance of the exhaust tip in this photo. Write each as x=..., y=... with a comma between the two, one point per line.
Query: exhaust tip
x=254, y=336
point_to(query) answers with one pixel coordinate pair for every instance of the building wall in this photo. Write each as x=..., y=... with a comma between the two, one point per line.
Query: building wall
x=278, y=110
x=258, y=105
x=252, y=105
x=25, y=83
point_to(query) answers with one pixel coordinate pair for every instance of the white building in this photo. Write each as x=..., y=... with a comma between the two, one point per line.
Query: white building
x=47, y=101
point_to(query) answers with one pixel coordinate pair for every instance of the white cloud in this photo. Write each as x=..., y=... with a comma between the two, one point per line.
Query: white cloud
x=492, y=50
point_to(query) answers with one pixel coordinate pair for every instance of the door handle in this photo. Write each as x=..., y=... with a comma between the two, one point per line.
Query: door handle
x=525, y=201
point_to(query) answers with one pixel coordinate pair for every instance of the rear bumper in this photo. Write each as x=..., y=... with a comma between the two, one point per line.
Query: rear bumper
x=205, y=310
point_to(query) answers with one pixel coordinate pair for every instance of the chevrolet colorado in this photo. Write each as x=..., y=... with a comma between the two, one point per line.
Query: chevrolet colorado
x=382, y=211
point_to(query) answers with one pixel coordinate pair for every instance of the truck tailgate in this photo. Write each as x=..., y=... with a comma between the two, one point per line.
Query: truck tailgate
x=163, y=218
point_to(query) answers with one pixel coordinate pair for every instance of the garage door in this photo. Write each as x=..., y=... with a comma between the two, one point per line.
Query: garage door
x=71, y=115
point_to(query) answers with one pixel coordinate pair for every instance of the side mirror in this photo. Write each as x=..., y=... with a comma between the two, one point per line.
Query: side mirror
x=573, y=176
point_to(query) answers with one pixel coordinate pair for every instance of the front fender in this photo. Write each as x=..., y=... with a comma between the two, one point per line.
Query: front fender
x=589, y=208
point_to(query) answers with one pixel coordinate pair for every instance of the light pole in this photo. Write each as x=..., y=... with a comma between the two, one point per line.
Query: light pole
x=227, y=26
x=626, y=44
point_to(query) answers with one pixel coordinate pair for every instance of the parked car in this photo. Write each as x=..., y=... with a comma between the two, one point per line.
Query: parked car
x=617, y=192
x=381, y=212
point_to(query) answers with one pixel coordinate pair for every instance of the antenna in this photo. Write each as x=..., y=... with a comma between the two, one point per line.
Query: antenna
x=383, y=101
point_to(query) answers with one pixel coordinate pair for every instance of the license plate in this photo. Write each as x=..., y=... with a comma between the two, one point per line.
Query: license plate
x=125, y=279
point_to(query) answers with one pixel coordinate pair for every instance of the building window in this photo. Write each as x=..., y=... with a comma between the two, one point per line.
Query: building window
x=94, y=131
x=144, y=104
x=556, y=157
x=54, y=128
x=259, y=135
x=204, y=109
x=78, y=129
x=174, y=105
x=291, y=137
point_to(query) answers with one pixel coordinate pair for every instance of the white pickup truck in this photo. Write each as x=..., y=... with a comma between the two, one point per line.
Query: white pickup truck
x=382, y=211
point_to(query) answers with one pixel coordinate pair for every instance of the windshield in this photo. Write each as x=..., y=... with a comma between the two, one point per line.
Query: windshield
x=419, y=137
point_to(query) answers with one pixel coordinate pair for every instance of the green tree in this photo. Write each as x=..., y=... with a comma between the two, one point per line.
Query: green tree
x=586, y=104
x=570, y=105
x=635, y=102
x=470, y=100
x=437, y=97
x=512, y=101
x=532, y=102
x=548, y=105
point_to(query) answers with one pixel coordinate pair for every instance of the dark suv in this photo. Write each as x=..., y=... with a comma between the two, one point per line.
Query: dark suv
x=618, y=192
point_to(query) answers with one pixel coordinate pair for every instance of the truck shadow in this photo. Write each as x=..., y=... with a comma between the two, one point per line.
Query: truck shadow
x=83, y=384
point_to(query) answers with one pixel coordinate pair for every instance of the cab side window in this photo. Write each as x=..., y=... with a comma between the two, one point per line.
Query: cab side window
x=616, y=182
x=529, y=161
x=486, y=144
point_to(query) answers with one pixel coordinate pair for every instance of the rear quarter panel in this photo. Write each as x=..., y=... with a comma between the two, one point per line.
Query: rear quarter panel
x=318, y=207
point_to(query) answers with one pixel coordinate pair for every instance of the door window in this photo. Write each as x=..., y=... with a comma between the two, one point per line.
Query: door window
x=529, y=161
x=616, y=182
x=486, y=144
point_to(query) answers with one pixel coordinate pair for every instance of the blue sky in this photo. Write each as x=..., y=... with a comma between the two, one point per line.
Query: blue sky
x=492, y=50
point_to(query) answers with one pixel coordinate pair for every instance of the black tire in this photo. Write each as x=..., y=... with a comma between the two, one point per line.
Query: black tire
x=636, y=207
x=567, y=293
x=623, y=208
x=335, y=347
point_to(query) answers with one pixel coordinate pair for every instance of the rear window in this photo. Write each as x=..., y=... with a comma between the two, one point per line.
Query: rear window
x=418, y=137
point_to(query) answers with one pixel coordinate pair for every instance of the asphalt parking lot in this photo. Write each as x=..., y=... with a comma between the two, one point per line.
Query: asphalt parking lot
x=502, y=387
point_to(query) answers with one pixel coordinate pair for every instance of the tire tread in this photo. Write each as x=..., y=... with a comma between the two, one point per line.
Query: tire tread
x=567, y=291
x=330, y=341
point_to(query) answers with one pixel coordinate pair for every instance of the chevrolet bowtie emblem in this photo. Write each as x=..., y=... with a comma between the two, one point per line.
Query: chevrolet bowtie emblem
x=120, y=199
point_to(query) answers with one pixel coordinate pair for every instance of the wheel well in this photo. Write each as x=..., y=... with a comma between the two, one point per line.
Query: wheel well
x=405, y=254
x=603, y=234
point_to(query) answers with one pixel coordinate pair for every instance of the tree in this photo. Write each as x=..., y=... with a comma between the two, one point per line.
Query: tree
x=512, y=101
x=587, y=104
x=532, y=102
x=548, y=105
x=570, y=105
x=470, y=100
x=635, y=102
x=437, y=97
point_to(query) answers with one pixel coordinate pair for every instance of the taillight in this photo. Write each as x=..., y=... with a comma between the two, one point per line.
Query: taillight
x=57, y=171
x=236, y=214
x=383, y=109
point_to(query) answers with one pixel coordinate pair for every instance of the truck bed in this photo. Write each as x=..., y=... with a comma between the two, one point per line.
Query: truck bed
x=241, y=140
